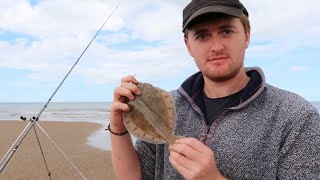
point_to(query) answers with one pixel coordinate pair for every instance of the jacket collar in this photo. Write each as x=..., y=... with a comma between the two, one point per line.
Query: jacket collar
x=193, y=87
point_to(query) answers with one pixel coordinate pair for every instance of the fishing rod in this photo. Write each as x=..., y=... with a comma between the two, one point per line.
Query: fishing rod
x=34, y=119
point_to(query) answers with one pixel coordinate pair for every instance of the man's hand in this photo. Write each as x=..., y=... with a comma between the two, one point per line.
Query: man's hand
x=126, y=91
x=194, y=160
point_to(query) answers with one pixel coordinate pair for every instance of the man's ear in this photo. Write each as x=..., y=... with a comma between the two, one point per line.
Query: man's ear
x=247, y=39
x=186, y=41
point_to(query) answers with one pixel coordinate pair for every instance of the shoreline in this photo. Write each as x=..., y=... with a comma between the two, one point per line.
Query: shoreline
x=72, y=139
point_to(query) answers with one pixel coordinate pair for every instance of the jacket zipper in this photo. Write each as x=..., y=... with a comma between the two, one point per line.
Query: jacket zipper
x=209, y=127
x=207, y=131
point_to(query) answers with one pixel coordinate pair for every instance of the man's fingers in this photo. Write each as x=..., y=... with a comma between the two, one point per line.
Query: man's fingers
x=120, y=93
x=181, y=160
x=192, y=155
x=191, y=148
x=132, y=87
x=185, y=150
x=177, y=163
x=129, y=79
x=116, y=106
x=127, y=89
x=193, y=143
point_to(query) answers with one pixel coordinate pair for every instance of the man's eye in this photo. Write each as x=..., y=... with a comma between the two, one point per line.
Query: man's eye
x=201, y=36
x=227, y=32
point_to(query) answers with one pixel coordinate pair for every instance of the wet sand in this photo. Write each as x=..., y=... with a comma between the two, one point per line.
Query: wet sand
x=71, y=137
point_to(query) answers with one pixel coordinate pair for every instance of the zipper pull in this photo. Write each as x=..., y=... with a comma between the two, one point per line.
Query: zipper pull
x=208, y=130
x=203, y=138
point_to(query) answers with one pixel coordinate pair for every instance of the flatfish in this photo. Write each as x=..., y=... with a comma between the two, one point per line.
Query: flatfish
x=152, y=116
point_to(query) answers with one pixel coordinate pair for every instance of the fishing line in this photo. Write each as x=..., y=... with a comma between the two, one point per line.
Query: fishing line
x=34, y=119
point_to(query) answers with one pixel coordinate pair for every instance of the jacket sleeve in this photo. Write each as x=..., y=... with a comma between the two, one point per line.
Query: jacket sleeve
x=147, y=155
x=300, y=153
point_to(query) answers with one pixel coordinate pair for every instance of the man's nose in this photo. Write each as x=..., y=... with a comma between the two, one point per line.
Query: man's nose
x=216, y=45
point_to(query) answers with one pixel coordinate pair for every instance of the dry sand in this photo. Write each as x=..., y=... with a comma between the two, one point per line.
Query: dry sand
x=71, y=137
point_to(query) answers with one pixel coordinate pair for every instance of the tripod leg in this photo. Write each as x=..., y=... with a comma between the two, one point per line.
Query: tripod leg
x=64, y=155
x=42, y=153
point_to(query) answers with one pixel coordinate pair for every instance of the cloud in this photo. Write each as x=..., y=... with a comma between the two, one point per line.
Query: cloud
x=299, y=68
x=61, y=29
x=286, y=25
x=281, y=17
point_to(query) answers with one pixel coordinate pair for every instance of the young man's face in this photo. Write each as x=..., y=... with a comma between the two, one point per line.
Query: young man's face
x=218, y=47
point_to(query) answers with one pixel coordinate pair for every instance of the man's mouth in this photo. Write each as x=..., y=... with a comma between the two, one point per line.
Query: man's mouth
x=218, y=58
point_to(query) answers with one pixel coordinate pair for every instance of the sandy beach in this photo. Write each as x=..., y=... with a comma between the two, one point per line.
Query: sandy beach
x=71, y=137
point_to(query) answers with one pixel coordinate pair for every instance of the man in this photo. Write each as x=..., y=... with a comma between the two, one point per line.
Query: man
x=238, y=126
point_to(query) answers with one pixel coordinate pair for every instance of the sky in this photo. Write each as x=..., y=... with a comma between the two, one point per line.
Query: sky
x=41, y=39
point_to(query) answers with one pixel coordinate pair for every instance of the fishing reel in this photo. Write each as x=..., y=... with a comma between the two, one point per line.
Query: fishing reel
x=31, y=119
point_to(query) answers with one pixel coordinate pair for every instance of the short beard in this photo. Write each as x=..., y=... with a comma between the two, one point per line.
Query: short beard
x=223, y=78
x=219, y=79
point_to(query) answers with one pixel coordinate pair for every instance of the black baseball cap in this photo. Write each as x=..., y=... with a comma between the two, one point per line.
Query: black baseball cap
x=197, y=8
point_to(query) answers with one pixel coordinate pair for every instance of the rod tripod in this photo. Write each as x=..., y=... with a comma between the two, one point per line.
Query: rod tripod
x=19, y=140
x=34, y=120
x=24, y=133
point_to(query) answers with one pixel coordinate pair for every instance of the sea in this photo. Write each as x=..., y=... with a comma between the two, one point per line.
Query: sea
x=97, y=112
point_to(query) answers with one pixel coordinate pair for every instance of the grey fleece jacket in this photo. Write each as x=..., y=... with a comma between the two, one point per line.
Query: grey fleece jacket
x=271, y=134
